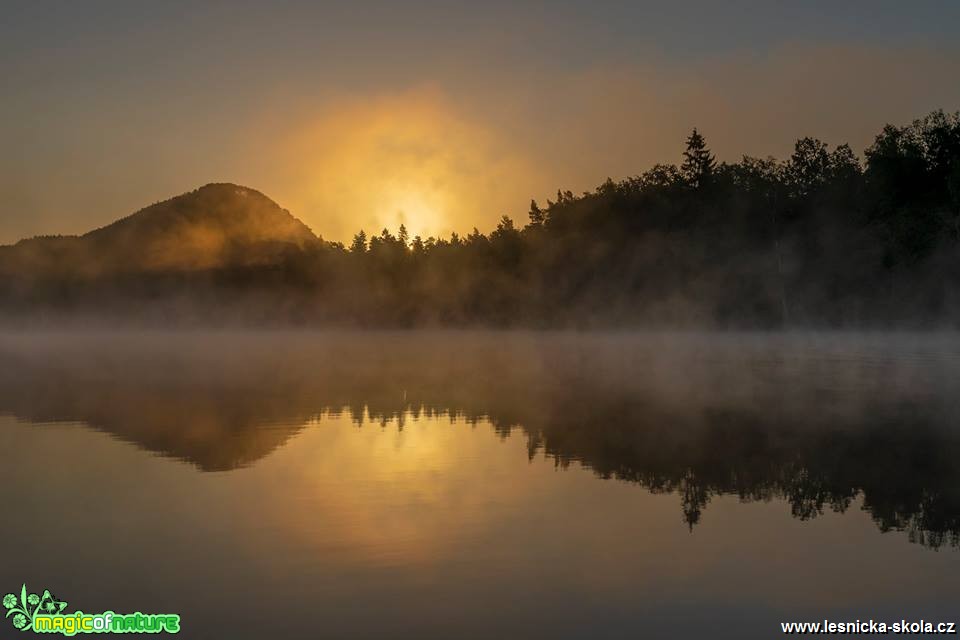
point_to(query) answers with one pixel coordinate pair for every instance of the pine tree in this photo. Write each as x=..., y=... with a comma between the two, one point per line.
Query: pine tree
x=698, y=163
x=537, y=215
x=359, y=244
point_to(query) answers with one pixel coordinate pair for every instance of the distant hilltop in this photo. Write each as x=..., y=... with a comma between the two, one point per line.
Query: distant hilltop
x=820, y=239
x=216, y=226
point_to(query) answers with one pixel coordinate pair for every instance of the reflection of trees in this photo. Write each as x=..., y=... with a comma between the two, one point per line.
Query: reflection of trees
x=743, y=421
x=904, y=472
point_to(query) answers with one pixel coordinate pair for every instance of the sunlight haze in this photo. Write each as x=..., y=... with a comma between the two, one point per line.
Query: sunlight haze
x=440, y=116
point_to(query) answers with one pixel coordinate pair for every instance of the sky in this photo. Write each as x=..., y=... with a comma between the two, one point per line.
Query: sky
x=442, y=116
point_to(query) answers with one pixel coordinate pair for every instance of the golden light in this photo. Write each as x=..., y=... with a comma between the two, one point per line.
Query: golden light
x=408, y=159
x=418, y=209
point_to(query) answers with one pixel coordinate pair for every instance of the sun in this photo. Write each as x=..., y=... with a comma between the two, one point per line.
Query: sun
x=413, y=159
x=419, y=211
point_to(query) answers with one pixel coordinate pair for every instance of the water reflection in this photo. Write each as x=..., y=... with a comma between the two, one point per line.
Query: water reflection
x=819, y=422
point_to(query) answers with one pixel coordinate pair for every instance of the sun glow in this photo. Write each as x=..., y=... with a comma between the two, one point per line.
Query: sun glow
x=421, y=212
x=410, y=159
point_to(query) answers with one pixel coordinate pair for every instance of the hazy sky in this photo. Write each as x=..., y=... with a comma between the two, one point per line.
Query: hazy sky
x=443, y=115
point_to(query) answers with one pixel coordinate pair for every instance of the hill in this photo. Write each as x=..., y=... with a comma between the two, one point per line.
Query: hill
x=215, y=226
x=820, y=239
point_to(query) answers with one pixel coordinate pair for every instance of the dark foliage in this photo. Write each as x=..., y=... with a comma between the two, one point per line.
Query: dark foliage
x=816, y=240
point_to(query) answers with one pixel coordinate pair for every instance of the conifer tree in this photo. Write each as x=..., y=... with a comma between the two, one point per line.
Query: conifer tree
x=698, y=163
x=359, y=244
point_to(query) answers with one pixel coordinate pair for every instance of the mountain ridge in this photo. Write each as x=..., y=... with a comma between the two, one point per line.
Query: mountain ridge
x=214, y=226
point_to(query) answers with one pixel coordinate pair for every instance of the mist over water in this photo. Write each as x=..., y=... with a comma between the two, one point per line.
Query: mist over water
x=381, y=320
x=412, y=482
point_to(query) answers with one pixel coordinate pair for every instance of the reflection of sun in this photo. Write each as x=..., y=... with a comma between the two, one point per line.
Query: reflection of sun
x=393, y=495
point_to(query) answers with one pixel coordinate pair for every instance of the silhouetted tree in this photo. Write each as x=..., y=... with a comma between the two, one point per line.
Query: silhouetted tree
x=359, y=244
x=698, y=163
x=537, y=215
x=816, y=240
x=808, y=168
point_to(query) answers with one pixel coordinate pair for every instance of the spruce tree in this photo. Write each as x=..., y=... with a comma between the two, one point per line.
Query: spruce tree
x=359, y=244
x=698, y=163
x=537, y=215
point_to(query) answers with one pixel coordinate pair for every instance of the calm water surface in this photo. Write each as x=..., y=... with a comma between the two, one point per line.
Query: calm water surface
x=438, y=485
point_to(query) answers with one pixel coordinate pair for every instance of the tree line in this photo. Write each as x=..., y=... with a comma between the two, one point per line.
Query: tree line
x=821, y=238
x=817, y=239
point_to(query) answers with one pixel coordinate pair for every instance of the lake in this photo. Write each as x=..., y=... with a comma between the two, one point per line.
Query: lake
x=483, y=484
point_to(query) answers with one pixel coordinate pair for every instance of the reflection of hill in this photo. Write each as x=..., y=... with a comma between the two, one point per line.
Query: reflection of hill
x=159, y=403
x=760, y=418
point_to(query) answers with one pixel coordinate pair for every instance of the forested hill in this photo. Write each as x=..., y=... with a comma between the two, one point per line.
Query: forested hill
x=820, y=239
